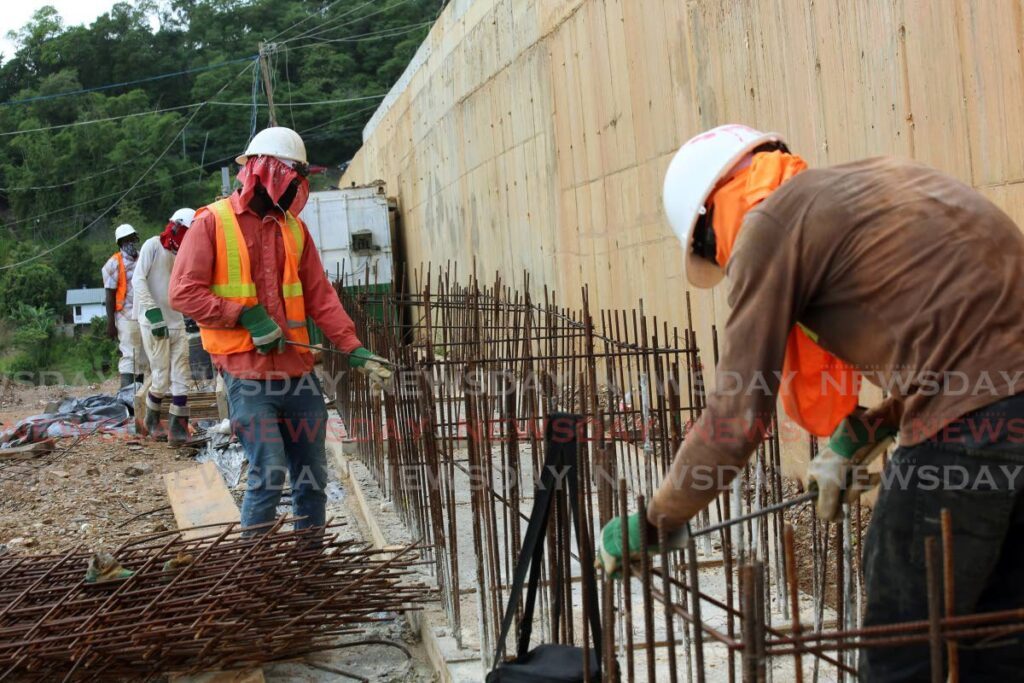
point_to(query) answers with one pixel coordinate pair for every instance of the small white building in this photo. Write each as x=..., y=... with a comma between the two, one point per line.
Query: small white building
x=86, y=304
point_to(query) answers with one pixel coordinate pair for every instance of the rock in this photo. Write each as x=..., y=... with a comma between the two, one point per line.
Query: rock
x=85, y=527
x=59, y=473
x=137, y=469
x=21, y=541
x=159, y=526
x=92, y=471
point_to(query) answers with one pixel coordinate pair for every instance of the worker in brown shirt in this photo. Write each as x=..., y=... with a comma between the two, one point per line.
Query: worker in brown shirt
x=889, y=271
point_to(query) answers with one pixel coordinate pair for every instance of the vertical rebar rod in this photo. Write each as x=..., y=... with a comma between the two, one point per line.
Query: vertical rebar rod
x=952, y=652
x=789, y=550
x=666, y=589
x=934, y=585
x=627, y=597
x=698, y=631
x=645, y=579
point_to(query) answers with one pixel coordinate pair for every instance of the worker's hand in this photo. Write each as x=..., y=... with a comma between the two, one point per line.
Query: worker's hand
x=840, y=472
x=111, y=329
x=266, y=334
x=157, y=324
x=376, y=368
x=611, y=556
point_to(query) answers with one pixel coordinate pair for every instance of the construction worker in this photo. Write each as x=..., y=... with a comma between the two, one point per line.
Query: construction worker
x=122, y=325
x=163, y=331
x=250, y=276
x=913, y=281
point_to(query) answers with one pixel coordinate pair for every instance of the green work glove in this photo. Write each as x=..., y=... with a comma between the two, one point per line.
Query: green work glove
x=839, y=472
x=266, y=334
x=371, y=365
x=157, y=325
x=611, y=555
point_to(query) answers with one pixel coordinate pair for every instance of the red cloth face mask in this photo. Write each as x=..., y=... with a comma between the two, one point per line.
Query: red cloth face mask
x=276, y=177
x=172, y=236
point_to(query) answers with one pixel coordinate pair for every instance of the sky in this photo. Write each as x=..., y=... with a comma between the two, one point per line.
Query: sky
x=17, y=13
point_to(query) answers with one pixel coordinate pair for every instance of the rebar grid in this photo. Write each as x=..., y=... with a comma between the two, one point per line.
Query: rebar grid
x=219, y=601
x=457, y=438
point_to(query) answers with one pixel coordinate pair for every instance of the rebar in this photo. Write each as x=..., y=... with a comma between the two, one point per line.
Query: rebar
x=218, y=602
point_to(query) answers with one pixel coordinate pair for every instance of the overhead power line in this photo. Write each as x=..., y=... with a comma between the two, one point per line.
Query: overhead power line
x=303, y=104
x=109, y=86
x=103, y=120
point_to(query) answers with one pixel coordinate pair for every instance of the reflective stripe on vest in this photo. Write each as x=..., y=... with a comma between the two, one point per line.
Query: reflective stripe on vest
x=122, y=282
x=232, y=280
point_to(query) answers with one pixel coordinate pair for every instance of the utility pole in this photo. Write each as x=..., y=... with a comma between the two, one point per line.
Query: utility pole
x=266, y=49
x=225, y=181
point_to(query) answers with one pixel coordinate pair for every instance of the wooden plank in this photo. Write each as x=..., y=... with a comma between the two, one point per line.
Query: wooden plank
x=28, y=451
x=240, y=676
x=199, y=497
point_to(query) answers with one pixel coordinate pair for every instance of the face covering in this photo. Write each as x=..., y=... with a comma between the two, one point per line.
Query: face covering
x=172, y=236
x=130, y=250
x=282, y=185
x=819, y=389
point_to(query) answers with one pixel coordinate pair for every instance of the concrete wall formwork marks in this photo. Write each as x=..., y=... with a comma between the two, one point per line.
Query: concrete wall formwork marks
x=534, y=134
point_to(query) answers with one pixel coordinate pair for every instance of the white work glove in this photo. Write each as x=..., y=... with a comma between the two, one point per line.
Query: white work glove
x=376, y=368
x=838, y=478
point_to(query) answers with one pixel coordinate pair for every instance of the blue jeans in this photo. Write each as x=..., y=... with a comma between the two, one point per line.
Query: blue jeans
x=282, y=424
x=976, y=471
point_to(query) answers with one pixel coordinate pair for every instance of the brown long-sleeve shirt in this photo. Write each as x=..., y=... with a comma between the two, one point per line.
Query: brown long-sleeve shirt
x=903, y=271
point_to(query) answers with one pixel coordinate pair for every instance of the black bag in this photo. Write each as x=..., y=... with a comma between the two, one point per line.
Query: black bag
x=549, y=663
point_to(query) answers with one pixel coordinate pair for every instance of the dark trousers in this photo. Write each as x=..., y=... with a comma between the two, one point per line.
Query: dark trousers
x=975, y=469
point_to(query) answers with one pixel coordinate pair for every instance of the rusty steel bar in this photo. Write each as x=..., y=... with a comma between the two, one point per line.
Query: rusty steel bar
x=952, y=651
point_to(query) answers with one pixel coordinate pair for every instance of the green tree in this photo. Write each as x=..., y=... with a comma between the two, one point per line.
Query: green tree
x=34, y=335
x=36, y=285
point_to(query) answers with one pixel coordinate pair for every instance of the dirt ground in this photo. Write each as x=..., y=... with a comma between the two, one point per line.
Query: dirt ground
x=88, y=490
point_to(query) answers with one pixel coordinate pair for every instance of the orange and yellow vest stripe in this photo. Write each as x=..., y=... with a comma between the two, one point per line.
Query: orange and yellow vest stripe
x=122, y=282
x=232, y=280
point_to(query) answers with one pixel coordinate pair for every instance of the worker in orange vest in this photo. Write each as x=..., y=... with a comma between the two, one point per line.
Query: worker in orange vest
x=881, y=269
x=249, y=274
x=122, y=325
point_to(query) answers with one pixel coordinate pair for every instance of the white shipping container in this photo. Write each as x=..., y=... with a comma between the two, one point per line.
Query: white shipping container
x=352, y=232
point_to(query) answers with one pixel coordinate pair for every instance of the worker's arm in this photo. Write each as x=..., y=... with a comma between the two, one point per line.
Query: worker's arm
x=193, y=274
x=111, y=302
x=322, y=303
x=146, y=307
x=140, y=281
x=109, y=275
x=765, y=280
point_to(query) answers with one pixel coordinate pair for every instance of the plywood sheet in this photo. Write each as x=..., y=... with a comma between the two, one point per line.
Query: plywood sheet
x=199, y=497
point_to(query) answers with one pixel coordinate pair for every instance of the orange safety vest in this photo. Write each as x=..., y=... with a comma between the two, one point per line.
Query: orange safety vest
x=232, y=280
x=122, y=282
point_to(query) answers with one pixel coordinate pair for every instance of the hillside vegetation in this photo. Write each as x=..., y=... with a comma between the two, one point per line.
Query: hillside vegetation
x=133, y=116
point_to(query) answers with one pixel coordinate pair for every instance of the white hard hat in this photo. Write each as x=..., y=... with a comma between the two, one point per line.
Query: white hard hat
x=280, y=142
x=183, y=216
x=122, y=231
x=695, y=171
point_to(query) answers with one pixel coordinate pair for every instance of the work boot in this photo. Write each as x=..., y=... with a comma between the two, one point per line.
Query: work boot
x=178, y=419
x=127, y=379
x=151, y=426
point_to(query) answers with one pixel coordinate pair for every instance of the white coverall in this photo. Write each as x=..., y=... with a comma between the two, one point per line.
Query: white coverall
x=129, y=342
x=168, y=356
